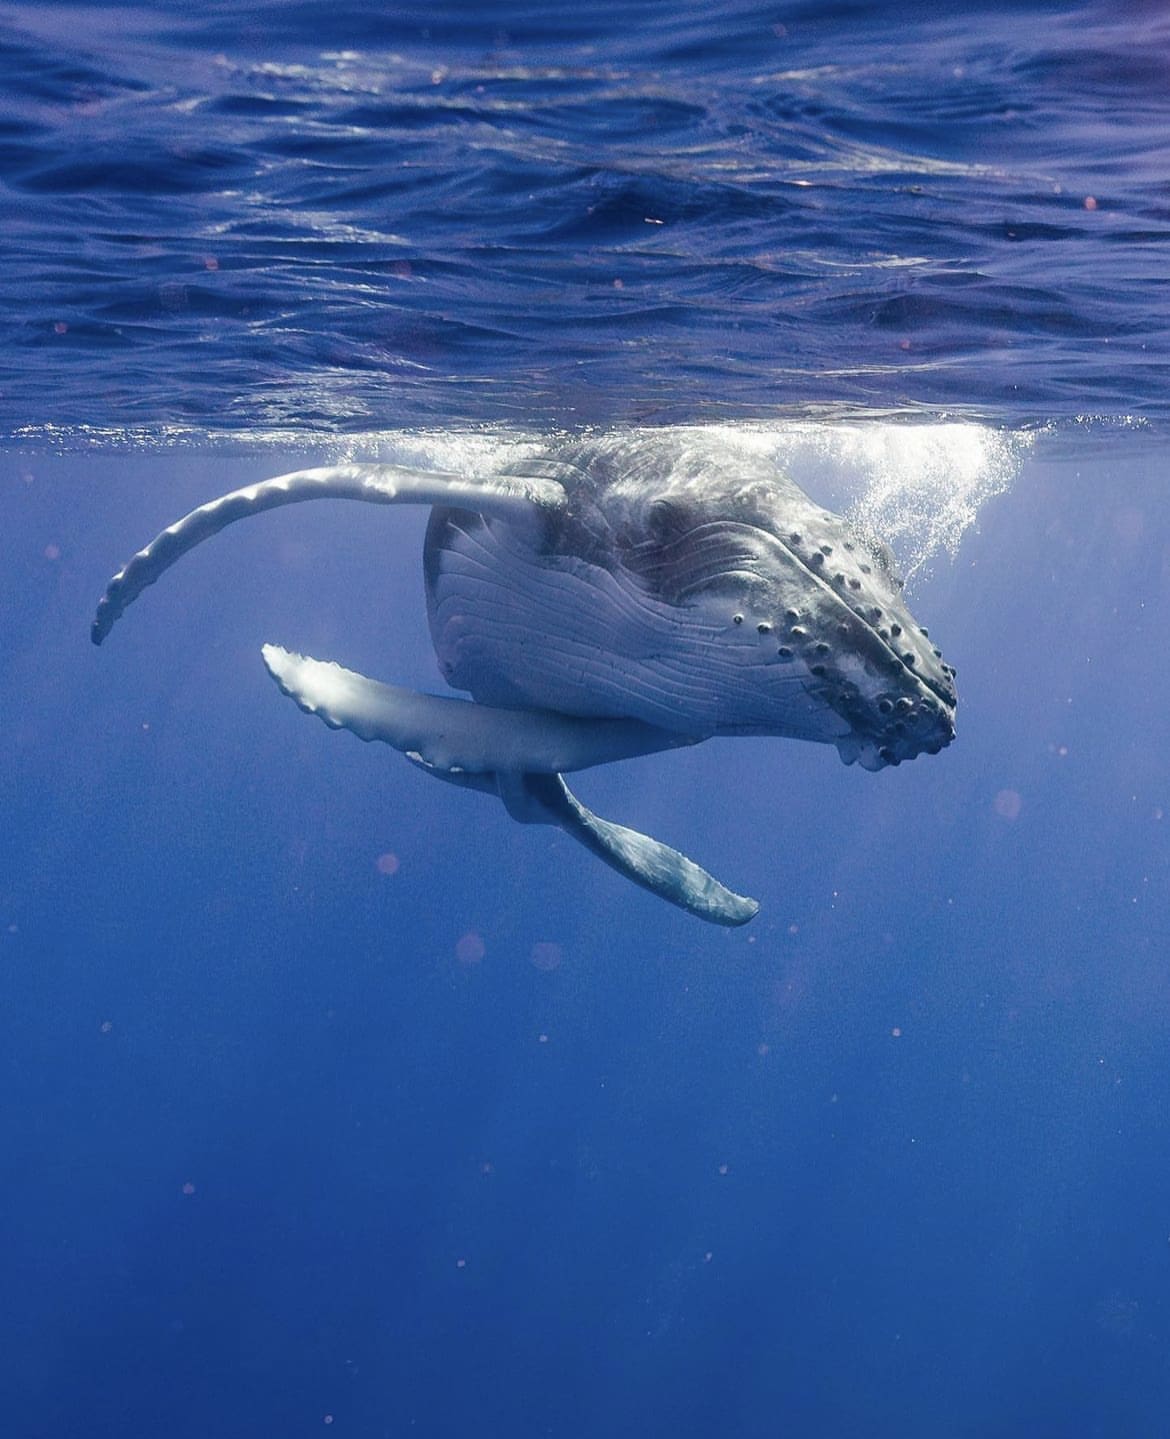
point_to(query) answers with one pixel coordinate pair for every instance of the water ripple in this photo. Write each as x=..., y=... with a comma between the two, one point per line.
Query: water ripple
x=326, y=217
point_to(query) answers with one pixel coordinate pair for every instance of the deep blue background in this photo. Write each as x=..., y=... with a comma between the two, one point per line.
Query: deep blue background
x=274, y=1159
x=959, y=1229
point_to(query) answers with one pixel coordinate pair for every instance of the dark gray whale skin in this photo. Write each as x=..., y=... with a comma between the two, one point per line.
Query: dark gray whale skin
x=615, y=596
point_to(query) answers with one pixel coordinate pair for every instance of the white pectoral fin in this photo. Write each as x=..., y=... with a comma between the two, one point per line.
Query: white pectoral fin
x=506, y=496
x=547, y=799
x=648, y=862
x=518, y=755
x=456, y=735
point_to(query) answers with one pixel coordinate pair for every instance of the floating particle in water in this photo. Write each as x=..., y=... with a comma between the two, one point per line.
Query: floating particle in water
x=294, y=554
x=470, y=948
x=1129, y=525
x=1008, y=804
x=1118, y=1315
x=52, y=552
x=546, y=955
x=188, y=1188
x=106, y=1025
x=387, y=863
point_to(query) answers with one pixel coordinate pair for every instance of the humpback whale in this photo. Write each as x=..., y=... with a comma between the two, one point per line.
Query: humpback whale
x=615, y=596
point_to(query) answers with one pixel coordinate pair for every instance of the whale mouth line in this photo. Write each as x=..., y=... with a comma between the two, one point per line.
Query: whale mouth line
x=946, y=700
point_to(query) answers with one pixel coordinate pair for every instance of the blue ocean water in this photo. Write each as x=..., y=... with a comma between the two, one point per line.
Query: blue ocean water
x=334, y=1101
x=358, y=216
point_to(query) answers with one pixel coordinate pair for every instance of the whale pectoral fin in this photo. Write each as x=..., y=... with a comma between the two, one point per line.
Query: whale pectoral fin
x=648, y=862
x=485, y=783
x=507, y=496
x=547, y=799
x=517, y=755
x=455, y=734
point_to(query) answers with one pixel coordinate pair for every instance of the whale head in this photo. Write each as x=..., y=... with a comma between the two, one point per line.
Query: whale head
x=697, y=588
